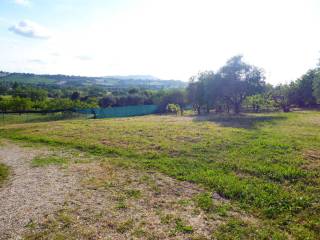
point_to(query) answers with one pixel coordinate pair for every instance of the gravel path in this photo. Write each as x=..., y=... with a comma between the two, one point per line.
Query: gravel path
x=30, y=192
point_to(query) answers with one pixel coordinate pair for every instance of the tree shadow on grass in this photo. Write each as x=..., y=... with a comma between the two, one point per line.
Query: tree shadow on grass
x=246, y=121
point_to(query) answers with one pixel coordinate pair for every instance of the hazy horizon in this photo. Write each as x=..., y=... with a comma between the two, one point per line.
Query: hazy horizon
x=166, y=39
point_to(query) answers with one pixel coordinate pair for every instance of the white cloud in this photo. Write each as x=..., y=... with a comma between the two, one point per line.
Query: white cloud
x=55, y=54
x=30, y=29
x=22, y=2
x=37, y=61
x=83, y=57
x=194, y=35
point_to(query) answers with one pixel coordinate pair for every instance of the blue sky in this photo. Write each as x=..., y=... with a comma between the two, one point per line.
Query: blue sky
x=170, y=39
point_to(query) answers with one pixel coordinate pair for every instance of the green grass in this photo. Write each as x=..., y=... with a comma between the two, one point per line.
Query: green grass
x=237, y=229
x=261, y=162
x=204, y=201
x=6, y=119
x=4, y=173
x=182, y=227
x=48, y=160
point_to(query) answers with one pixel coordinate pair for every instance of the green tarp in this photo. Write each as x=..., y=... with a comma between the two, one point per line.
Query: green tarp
x=113, y=112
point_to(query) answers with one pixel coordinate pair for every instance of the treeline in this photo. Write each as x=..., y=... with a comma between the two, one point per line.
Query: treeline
x=111, y=82
x=19, y=97
x=235, y=87
x=240, y=86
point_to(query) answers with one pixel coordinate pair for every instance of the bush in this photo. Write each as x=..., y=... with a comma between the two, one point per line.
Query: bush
x=173, y=108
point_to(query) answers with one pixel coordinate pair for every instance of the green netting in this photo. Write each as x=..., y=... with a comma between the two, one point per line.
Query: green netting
x=126, y=111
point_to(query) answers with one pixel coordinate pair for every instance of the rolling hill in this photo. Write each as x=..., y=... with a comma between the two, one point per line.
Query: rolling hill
x=141, y=81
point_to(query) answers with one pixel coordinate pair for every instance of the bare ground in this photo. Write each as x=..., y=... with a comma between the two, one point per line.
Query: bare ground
x=31, y=192
x=94, y=199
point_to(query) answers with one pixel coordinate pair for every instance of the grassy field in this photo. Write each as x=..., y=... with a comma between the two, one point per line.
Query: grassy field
x=266, y=164
x=6, y=119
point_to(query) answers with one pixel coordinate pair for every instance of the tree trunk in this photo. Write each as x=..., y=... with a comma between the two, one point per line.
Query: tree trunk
x=236, y=108
x=286, y=108
x=198, y=109
x=181, y=111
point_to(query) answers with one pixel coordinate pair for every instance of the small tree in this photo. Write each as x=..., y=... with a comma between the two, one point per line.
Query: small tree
x=173, y=108
x=21, y=104
x=255, y=101
x=201, y=91
x=282, y=96
x=107, y=101
x=59, y=104
x=75, y=96
x=5, y=104
x=174, y=96
x=37, y=94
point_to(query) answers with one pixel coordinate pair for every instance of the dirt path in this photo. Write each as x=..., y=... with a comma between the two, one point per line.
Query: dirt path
x=92, y=198
x=31, y=192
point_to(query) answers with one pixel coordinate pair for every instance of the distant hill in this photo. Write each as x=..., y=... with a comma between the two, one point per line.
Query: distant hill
x=131, y=81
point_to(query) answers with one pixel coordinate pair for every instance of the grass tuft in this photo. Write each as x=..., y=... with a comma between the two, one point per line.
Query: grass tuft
x=4, y=173
x=48, y=160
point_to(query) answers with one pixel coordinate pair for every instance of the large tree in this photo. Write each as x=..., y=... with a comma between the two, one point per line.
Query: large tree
x=239, y=80
x=196, y=94
x=304, y=89
x=316, y=85
x=229, y=86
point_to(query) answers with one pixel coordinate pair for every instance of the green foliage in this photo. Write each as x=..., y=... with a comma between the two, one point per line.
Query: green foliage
x=173, y=108
x=175, y=96
x=304, y=89
x=259, y=102
x=229, y=86
x=56, y=95
x=304, y=92
x=237, y=81
x=316, y=86
x=66, y=81
x=65, y=103
x=20, y=104
x=283, y=96
x=5, y=104
x=204, y=91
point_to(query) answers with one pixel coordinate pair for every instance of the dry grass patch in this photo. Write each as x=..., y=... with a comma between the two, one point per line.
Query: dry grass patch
x=312, y=157
x=114, y=202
